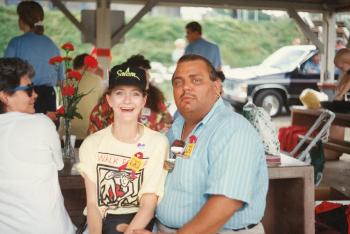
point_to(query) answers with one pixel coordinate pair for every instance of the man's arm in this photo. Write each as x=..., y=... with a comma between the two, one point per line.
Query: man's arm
x=210, y=219
x=213, y=215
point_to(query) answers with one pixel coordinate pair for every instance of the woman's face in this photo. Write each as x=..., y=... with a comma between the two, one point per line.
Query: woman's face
x=126, y=102
x=22, y=100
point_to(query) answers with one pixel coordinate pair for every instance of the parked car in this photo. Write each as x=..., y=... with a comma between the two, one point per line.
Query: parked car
x=276, y=82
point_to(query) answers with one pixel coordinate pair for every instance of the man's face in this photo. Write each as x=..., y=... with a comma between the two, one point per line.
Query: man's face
x=191, y=35
x=316, y=59
x=194, y=92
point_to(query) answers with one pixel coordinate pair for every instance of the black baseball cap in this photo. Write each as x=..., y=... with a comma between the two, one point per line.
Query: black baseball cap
x=124, y=74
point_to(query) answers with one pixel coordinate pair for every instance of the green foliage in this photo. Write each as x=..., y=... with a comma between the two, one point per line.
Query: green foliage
x=241, y=43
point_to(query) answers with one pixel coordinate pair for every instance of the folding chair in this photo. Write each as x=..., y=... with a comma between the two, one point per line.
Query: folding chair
x=307, y=143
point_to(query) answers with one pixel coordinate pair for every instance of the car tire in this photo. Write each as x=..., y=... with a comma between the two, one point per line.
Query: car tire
x=270, y=100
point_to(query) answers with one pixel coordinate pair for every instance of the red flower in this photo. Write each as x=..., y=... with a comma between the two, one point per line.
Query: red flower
x=68, y=90
x=90, y=61
x=60, y=111
x=68, y=46
x=74, y=74
x=56, y=59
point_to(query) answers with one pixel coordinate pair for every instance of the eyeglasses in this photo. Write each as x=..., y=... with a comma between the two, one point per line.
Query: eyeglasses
x=29, y=89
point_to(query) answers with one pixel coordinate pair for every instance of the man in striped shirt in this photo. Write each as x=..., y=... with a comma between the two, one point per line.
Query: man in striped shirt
x=219, y=184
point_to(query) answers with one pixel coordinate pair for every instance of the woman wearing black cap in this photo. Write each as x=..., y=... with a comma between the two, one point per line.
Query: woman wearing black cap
x=122, y=165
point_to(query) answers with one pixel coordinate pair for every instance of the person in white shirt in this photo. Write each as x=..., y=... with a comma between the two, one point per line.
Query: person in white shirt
x=30, y=157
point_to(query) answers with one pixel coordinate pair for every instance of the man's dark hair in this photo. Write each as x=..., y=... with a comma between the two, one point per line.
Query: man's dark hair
x=78, y=61
x=11, y=71
x=194, y=27
x=138, y=60
x=193, y=57
x=221, y=75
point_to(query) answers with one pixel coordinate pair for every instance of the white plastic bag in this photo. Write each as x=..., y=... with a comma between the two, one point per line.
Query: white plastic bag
x=261, y=120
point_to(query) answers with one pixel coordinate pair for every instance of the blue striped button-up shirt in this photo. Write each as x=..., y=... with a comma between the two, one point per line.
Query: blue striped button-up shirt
x=228, y=159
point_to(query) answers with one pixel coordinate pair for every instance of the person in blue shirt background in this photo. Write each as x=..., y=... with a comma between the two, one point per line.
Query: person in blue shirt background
x=219, y=183
x=200, y=46
x=313, y=66
x=37, y=49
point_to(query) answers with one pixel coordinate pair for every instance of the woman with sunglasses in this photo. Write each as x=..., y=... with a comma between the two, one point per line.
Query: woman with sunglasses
x=30, y=157
x=122, y=164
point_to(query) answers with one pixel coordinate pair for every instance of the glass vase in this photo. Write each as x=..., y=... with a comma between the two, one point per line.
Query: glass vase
x=68, y=150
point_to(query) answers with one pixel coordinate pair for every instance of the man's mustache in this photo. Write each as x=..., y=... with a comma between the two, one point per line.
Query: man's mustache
x=187, y=94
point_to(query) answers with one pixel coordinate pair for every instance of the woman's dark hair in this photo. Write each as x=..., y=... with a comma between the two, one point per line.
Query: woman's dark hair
x=155, y=98
x=11, y=71
x=138, y=60
x=32, y=14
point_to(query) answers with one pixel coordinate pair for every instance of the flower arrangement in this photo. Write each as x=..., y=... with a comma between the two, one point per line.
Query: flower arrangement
x=70, y=91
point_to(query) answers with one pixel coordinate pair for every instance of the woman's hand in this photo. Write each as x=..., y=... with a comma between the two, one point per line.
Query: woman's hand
x=52, y=115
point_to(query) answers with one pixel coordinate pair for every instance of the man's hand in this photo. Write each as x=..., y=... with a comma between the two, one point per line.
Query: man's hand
x=143, y=231
x=122, y=227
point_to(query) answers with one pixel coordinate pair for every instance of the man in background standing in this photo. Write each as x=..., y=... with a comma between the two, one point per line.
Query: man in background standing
x=200, y=46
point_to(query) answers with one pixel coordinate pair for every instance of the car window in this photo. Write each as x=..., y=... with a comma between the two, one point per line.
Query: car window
x=285, y=58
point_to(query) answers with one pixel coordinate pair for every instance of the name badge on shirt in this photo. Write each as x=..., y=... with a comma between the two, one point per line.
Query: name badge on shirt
x=136, y=163
x=190, y=146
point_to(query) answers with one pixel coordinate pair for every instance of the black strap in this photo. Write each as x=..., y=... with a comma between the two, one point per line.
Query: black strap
x=250, y=226
x=82, y=226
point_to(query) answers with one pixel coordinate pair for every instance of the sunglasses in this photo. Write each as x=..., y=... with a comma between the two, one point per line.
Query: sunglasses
x=28, y=89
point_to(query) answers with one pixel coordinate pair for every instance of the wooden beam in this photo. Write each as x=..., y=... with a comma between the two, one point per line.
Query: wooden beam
x=70, y=16
x=328, y=37
x=117, y=36
x=305, y=29
x=299, y=5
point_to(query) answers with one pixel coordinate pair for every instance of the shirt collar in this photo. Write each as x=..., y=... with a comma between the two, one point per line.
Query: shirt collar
x=179, y=121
